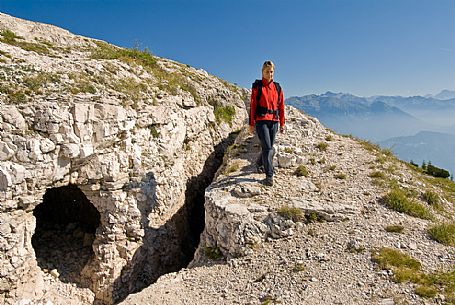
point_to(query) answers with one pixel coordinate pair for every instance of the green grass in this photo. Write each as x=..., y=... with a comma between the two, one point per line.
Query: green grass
x=104, y=50
x=396, y=200
x=394, y=228
x=377, y=174
x=301, y=171
x=35, y=82
x=213, y=253
x=371, y=147
x=388, y=258
x=443, y=233
x=322, y=146
x=329, y=138
x=298, y=267
x=232, y=168
x=289, y=150
x=340, y=176
x=295, y=214
x=154, y=132
x=407, y=269
x=224, y=114
x=332, y=167
x=11, y=38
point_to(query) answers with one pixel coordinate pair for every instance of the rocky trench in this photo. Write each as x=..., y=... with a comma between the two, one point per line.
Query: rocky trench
x=109, y=220
x=68, y=221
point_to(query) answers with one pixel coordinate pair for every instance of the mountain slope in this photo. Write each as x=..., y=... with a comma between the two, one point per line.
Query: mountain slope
x=309, y=239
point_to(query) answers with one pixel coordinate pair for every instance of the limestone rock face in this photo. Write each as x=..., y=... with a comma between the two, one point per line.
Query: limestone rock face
x=129, y=133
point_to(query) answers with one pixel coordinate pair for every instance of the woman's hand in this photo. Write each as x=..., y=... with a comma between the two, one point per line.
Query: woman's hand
x=251, y=129
x=282, y=130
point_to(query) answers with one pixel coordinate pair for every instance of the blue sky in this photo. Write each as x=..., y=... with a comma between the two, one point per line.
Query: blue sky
x=364, y=47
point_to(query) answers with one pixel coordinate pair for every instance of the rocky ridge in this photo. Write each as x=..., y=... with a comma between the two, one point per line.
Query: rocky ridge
x=252, y=252
x=134, y=136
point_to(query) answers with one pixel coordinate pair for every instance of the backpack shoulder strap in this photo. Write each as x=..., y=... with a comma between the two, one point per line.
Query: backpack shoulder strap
x=258, y=84
x=278, y=89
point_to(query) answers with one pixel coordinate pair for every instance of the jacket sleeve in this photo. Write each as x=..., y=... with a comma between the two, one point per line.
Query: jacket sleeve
x=253, y=102
x=281, y=108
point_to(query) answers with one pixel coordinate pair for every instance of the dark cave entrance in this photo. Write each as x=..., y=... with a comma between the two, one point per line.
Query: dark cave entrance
x=66, y=222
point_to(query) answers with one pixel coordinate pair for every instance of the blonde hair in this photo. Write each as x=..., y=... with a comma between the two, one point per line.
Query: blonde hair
x=267, y=63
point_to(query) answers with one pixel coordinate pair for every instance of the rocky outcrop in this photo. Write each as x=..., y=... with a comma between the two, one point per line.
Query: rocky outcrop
x=132, y=131
x=311, y=237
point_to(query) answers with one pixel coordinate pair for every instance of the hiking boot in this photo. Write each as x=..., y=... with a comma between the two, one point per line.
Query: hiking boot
x=268, y=181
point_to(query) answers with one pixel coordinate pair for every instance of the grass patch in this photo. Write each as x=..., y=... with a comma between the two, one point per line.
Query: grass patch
x=301, y=171
x=443, y=233
x=295, y=214
x=289, y=150
x=131, y=88
x=377, y=174
x=340, y=176
x=329, y=138
x=394, y=229
x=153, y=131
x=36, y=82
x=298, y=267
x=232, y=168
x=104, y=50
x=407, y=269
x=224, y=114
x=213, y=253
x=369, y=146
x=322, y=146
x=312, y=161
x=431, y=197
x=332, y=167
x=11, y=38
x=397, y=200
x=388, y=258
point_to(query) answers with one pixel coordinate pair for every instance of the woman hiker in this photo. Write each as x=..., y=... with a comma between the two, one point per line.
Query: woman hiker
x=266, y=112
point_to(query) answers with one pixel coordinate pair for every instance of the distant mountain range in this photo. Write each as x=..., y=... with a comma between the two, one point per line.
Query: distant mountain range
x=425, y=145
x=390, y=120
x=443, y=95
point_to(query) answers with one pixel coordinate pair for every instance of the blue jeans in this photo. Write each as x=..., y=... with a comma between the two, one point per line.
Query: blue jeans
x=266, y=131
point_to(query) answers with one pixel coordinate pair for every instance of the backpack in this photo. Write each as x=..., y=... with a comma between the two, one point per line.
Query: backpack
x=261, y=111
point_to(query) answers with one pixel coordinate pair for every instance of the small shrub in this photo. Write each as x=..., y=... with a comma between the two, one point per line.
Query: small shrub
x=213, y=253
x=224, y=113
x=322, y=146
x=332, y=167
x=289, y=150
x=431, y=198
x=154, y=132
x=36, y=82
x=340, y=176
x=371, y=147
x=394, y=228
x=377, y=174
x=426, y=291
x=443, y=233
x=322, y=161
x=301, y=171
x=387, y=151
x=232, y=168
x=312, y=217
x=436, y=171
x=298, y=267
x=312, y=161
x=329, y=138
x=295, y=214
x=397, y=200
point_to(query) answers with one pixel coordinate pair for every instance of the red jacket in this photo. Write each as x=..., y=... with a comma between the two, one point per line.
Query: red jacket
x=269, y=99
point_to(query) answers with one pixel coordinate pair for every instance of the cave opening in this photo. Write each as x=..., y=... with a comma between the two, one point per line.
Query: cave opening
x=66, y=222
